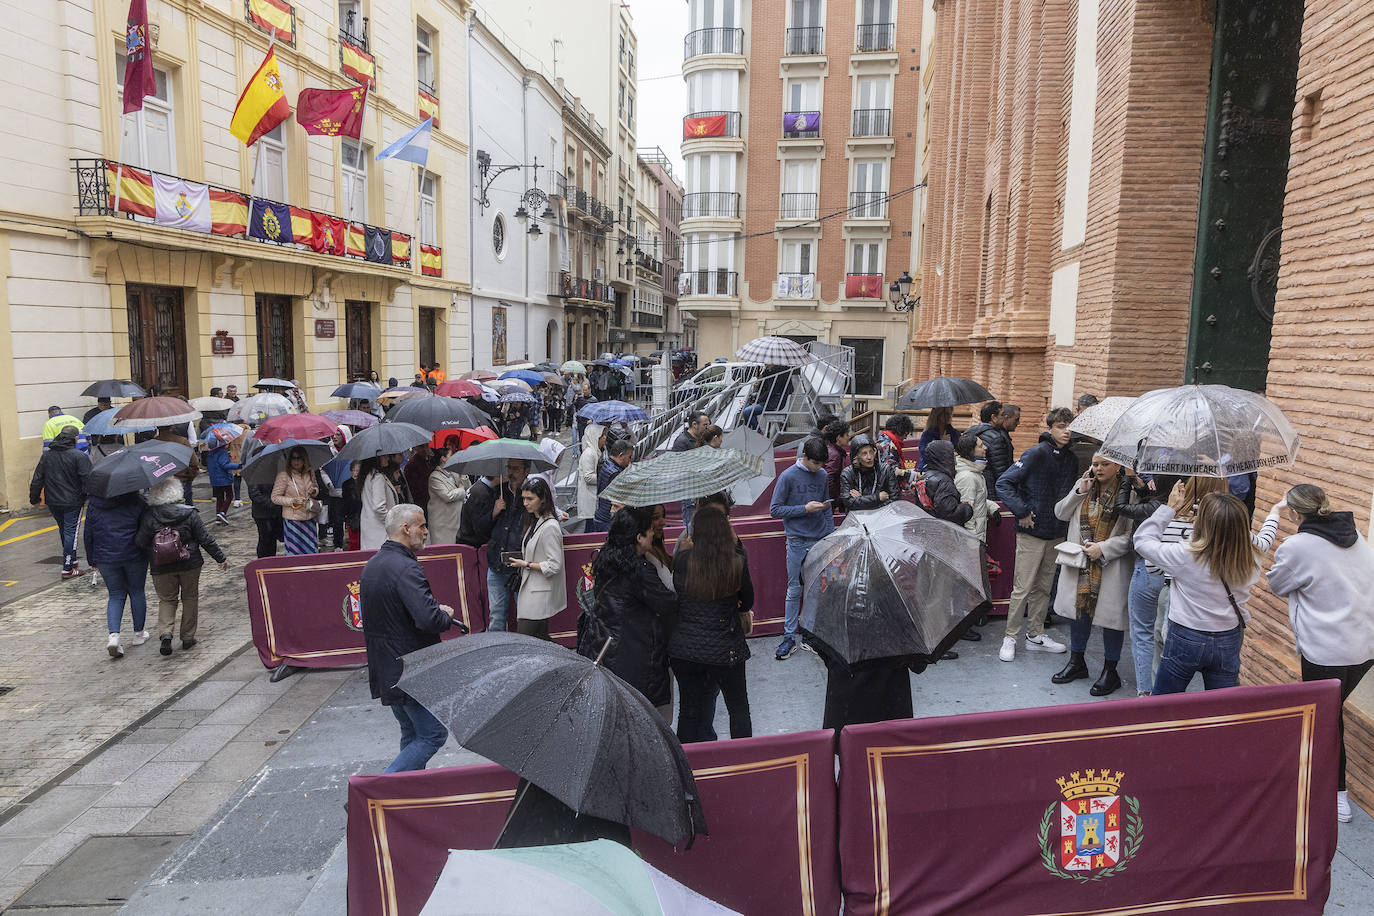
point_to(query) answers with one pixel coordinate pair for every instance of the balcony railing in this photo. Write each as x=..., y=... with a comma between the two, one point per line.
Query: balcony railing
x=805, y=41
x=353, y=32
x=798, y=125
x=723, y=204
x=872, y=122
x=566, y=286
x=796, y=286
x=876, y=36
x=712, y=41
x=708, y=283
x=580, y=203
x=647, y=320
x=649, y=263
x=868, y=205
x=798, y=205
x=703, y=124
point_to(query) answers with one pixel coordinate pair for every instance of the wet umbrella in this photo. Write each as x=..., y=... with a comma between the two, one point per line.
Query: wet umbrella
x=99, y=425
x=383, y=439
x=363, y=391
x=256, y=408
x=946, y=391
x=553, y=378
x=892, y=583
x=573, y=367
x=459, y=388
x=547, y=365
x=295, y=426
x=402, y=393
x=1095, y=421
x=434, y=414
x=751, y=443
x=113, y=388
x=516, y=396
x=521, y=365
x=465, y=437
x=671, y=476
x=480, y=375
x=358, y=419
x=1203, y=430
x=262, y=468
x=774, y=351
x=528, y=376
x=159, y=411
x=211, y=405
x=605, y=412
x=489, y=458
x=221, y=434
x=137, y=468
x=273, y=383
x=508, y=384
x=565, y=724
x=600, y=878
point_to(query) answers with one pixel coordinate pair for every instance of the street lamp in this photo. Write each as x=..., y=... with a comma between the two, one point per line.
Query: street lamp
x=899, y=294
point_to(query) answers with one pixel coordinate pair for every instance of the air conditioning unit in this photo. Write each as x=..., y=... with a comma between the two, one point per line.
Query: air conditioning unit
x=598, y=274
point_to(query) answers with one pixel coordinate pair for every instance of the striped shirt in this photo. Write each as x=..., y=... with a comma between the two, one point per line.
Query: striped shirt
x=1181, y=532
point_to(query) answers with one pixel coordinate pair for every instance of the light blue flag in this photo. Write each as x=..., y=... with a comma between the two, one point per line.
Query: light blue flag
x=413, y=147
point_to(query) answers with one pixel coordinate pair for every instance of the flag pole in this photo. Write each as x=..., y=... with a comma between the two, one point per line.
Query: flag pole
x=352, y=191
x=119, y=168
x=257, y=159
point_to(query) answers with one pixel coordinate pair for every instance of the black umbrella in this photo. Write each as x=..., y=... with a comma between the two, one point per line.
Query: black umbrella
x=434, y=414
x=137, y=467
x=565, y=724
x=266, y=462
x=384, y=439
x=945, y=391
x=113, y=388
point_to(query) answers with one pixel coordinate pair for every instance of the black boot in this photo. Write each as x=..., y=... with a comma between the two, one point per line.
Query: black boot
x=971, y=635
x=1075, y=668
x=1108, y=682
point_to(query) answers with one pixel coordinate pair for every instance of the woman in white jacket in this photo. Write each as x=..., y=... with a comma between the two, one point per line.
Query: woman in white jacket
x=1325, y=571
x=446, y=496
x=588, y=463
x=543, y=591
x=379, y=494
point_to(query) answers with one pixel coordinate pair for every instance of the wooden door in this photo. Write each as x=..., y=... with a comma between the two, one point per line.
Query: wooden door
x=157, y=347
x=358, y=327
x=427, y=345
x=276, y=356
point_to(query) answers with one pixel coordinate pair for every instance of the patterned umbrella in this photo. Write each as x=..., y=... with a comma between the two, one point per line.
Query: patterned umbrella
x=220, y=434
x=159, y=411
x=945, y=391
x=604, y=412
x=673, y=476
x=260, y=407
x=113, y=388
x=516, y=396
x=363, y=391
x=1094, y=422
x=137, y=468
x=459, y=388
x=358, y=419
x=573, y=367
x=296, y=426
x=774, y=351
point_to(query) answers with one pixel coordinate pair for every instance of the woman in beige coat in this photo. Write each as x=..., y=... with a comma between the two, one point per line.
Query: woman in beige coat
x=446, y=496
x=588, y=463
x=1097, y=593
x=298, y=494
x=543, y=591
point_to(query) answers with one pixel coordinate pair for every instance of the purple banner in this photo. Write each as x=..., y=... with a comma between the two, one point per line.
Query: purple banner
x=796, y=122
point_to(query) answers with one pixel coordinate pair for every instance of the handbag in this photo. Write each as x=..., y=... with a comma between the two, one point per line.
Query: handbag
x=1070, y=555
x=746, y=622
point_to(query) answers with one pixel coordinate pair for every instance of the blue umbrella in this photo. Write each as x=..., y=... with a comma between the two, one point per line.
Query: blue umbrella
x=364, y=391
x=528, y=376
x=99, y=425
x=612, y=412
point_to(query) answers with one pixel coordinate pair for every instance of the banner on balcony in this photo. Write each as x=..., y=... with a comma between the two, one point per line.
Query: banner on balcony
x=429, y=106
x=271, y=222
x=357, y=64
x=400, y=248
x=863, y=286
x=275, y=18
x=181, y=204
x=431, y=261
x=710, y=126
x=684, y=284
x=796, y=286
x=355, y=240
x=378, y=244
x=327, y=234
x=801, y=121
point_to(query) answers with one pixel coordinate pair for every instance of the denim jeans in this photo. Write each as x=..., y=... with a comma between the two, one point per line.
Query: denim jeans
x=751, y=415
x=499, y=589
x=797, y=548
x=186, y=493
x=1188, y=651
x=1144, y=607
x=67, y=518
x=125, y=580
x=421, y=737
x=1080, y=628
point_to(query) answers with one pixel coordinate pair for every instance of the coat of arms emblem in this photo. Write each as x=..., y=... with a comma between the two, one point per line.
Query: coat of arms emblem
x=352, y=607
x=1098, y=828
x=183, y=206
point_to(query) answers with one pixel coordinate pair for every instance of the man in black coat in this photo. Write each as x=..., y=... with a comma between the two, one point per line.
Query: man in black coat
x=60, y=480
x=400, y=615
x=996, y=435
x=505, y=533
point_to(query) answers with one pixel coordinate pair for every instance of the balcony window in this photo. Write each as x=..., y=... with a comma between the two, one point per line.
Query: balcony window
x=713, y=41
x=701, y=124
x=150, y=134
x=353, y=24
x=868, y=193
x=271, y=169
x=424, y=58
x=355, y=158
x=805, y=28
x=720, y=204
x=876, y=30
x=866, y=258
x=708, y=282
x=798, y=205
x=429, y=209
x=871, y=122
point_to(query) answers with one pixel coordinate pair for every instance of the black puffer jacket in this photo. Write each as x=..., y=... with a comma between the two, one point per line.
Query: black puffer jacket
x=936, y=491
x=634, y=607
x=708, y=632
x=1044, y=474
x=194, y=535
x=60, y=478
x=1000, y=453
x=869, y=482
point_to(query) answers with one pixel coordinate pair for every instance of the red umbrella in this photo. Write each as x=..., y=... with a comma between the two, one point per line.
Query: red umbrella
x=459, y=388
x=479, y=375
x=295, y=426
x=465, y=437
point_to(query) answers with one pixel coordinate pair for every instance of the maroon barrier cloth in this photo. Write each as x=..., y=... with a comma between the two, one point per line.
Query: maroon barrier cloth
x=769, y=803
x=1002, y=548
x=1224, y=800
x=305, y=610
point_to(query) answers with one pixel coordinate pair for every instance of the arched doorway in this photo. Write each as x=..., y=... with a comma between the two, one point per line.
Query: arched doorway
x=551, y=341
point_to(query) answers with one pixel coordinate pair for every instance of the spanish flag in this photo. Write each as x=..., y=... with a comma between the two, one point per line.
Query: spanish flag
x=429, y=106
x=274, y=17
x=355, y=236
x=263, y=104
x=356, y=64
x=863, y=286
x=431, y=261
x=400, y=248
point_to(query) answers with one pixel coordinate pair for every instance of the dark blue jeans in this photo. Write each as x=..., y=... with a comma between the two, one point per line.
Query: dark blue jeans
x=125, y=581
x=1188, y=652
x=1081, y=628
x=421, y=737
x=67, y=518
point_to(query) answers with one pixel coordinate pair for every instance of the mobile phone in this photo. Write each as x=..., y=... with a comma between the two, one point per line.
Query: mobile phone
x=508, y=555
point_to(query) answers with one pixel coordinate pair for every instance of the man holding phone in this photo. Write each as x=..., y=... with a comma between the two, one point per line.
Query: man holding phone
x=507, y=530
x=801, y=498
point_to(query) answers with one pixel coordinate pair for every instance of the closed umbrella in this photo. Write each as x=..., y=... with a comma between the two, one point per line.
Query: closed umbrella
x=459, y=388
x=137, y=467
x=295, y=426
x=573, y=367
x=362, y=391
x=672, y=476
x=114, y=388
x=774, y=351
x=489, y=458
x=158, y=411
x=528, y=376
x=565, y=724
x=946, y=391
x=273, y=383
x=894, y=582
x=383, y=439
x=100, y=425
x=256, y=408
x=358, y=419
x=605, y=412
x=211, y=405
x=261, y=470
x=1095, y=421
x=1202, y=430
x=434, y=414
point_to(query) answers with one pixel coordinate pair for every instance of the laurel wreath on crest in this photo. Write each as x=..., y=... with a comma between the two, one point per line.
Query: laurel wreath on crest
x=1135, y=832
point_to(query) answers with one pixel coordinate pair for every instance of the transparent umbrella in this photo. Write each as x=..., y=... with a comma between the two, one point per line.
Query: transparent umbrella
x=1095, y=421
x=1201, y=430
x=260, y=407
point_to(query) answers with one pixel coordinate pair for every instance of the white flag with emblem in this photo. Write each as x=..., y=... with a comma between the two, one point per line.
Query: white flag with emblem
x=181, y=204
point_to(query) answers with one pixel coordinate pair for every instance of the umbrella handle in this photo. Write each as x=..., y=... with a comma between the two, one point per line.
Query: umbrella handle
x=511, y=813
x=602, y=654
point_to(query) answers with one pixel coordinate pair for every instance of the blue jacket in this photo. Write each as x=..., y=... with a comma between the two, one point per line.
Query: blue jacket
x=795, y=488
x=609, y=471
x=221, y=468
x=111, y=524
x=1042, y=477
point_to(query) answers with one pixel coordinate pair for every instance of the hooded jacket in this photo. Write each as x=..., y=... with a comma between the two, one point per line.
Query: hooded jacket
x=936, y=491
x=221, y=466
x=973, y=489
x=868, y=481
x=194, y=535
x=588, y=463
x=1036, y=483
x=111, y=527
x=60, y=477
x=1325, y=571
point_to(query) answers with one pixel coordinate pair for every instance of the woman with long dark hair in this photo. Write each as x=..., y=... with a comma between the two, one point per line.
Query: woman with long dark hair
x=707, y=650
x=543, y=592
x=938, y=426
x=633, y=610
x=297, y=492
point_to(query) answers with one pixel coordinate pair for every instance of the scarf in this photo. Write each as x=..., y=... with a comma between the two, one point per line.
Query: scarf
x=1096, y=519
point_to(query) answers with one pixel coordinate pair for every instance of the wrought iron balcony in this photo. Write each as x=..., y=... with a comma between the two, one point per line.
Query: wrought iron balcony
x=868, y=205
x=876, y=36
x=805, y=41
x=352, y=32
x=647, y=320
x=581, y=290
x=712, y=41
x=427, y=88
x=709, y=282
x=872, y=122
x=798, y=205
x=582, y=204
x=796, y=286
x=647, y=262
x=798, y=125
x=721, y=204
x=700, y=125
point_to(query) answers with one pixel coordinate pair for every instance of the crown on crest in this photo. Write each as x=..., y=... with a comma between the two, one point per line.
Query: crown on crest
x=1096, y=782
x=587, y=570
x=355, y=588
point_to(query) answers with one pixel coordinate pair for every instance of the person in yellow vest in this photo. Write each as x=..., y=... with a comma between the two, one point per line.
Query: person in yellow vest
x=58, y=418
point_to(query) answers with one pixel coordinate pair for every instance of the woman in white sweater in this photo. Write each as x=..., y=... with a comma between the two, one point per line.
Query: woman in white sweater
x=543, y=590
x=378, y=495
x=1211, y=576
x=588, y=463
x=1325, y=571
x=446, y=495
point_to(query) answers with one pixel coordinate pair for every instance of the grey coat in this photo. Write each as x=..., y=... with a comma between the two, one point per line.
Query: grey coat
x=1118, y=563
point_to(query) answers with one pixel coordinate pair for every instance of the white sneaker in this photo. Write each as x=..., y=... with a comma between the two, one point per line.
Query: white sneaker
x=115, y=649
x=1043, y=643
x=1008, y=651
x=140, y=638
x=238, y=504
x=1342, y=807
